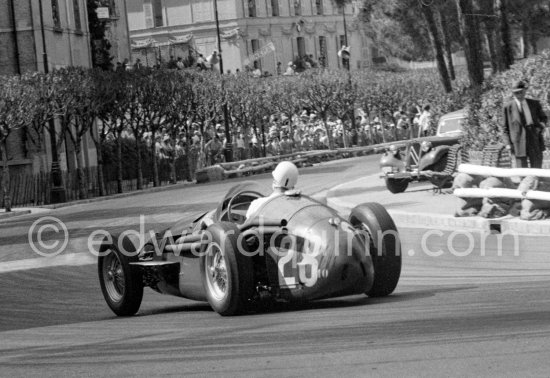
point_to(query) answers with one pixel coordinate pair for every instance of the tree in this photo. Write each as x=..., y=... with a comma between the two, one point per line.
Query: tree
x=209, y=98
x=87, y=109
x=469, y=24
x=179, y=117
x=155, y=93
x=13, y=115
x=320, y=91
x=532, y=17
x=344, y=106
x=133, y=89
x=448, y=20
x=507, y=51
x=39, y=106
x=489, y=19
x=437, y=44
x=247, y=99
x=396, y=28
x=64, y=85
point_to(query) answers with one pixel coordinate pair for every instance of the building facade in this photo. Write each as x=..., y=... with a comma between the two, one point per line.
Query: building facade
x=115, y=15
x=253, y=32
x=40, y=35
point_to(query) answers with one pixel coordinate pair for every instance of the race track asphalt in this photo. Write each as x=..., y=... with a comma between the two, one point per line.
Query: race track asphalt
x=485, y=313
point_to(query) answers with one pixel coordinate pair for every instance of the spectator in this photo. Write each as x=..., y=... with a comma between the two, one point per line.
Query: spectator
x=285, y=145
x=524, y=121
x=201, y=63
x=257, y=72
x=172, y=63
x=179, y=64
x=424, y=121
x=289, y=70
x=214, y=149
x=279, y=69
x=240, y=147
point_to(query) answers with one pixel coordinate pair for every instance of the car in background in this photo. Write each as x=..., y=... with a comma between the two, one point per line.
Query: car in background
x=418, y=159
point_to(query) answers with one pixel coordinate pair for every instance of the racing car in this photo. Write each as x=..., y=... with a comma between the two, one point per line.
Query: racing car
x=294, y=248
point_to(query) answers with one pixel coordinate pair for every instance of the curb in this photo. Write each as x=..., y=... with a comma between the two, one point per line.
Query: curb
x=13, y=213
x=448, y=222
x=119, y=195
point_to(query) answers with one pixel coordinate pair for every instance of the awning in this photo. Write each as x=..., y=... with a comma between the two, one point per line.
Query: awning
x=230, y=33
x=180, y=39
x=161, y=41
x=143, y=44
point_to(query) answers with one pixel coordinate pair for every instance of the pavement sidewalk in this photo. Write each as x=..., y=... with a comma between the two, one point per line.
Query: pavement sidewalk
x=419, y=207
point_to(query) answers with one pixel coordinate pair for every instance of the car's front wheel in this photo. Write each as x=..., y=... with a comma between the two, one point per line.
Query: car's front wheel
x=384, y=246
x=227, y=273
x=121, y=283
x=397, y=185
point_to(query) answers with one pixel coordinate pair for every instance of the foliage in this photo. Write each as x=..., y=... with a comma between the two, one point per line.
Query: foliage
x=397, y=28
x=13, y=112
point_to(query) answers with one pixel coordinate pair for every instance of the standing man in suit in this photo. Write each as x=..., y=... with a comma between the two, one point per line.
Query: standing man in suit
x=523, y=128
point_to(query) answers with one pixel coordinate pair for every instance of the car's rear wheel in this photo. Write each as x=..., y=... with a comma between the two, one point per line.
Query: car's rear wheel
x=121, y=283
x=397, y=185
x=384, y=245
x=227, y=273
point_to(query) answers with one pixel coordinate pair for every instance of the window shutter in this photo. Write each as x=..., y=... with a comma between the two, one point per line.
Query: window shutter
x=148, y=10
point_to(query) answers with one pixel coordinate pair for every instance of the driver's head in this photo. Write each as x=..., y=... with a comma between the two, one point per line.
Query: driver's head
x=285, y=175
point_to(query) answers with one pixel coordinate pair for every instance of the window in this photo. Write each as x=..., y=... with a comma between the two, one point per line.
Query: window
x=157, y=13
x=255, y=48
x=342, y=41
x=275, y=8
x=319, y=7
x=323, y=51
x=251, y=8
x=55, y=14
x=297, y=7
x=300, y=41
x=77, y=20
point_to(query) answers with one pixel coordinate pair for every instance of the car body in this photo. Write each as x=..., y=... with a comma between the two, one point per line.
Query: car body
x=416, y=159
x=293, y=249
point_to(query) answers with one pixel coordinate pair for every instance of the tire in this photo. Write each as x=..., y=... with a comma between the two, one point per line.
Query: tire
x=373, y=218
x=227, y=274
x=397, y=185
x=121, y=283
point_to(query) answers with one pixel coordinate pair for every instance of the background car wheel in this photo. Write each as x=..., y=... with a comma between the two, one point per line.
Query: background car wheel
x=227, y=274
x=397, y=185
x=385, y=253
x=121, y=283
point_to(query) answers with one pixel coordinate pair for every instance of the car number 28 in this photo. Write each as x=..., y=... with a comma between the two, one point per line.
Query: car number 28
x=308, y=268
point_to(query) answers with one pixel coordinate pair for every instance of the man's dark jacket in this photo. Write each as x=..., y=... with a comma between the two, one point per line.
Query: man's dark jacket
x=514, y=127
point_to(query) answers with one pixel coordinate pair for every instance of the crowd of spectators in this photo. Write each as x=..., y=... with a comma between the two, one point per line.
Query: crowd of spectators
x=281, y=135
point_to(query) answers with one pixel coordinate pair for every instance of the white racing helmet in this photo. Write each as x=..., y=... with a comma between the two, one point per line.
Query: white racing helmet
x=285, y=175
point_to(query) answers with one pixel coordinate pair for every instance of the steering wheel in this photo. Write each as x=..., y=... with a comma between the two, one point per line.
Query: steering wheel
x=239, y=218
